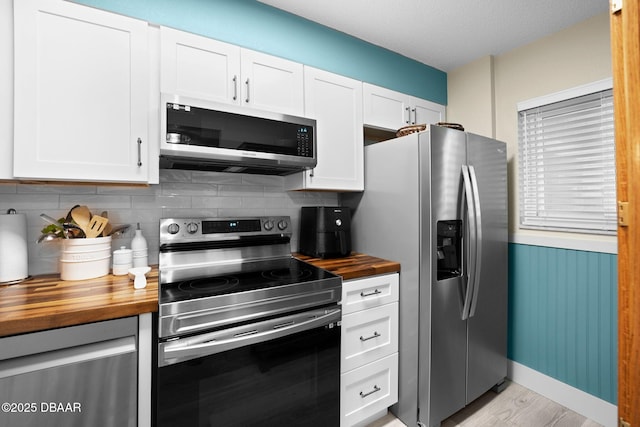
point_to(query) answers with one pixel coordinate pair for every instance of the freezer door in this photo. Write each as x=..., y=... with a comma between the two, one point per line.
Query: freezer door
x=442, y=385
x=487, y=324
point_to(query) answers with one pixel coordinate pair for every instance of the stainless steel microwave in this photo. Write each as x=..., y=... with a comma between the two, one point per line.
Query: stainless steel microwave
x=204, y=135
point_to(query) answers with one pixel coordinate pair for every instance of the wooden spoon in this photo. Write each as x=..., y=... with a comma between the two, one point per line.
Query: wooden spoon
x=82, y=216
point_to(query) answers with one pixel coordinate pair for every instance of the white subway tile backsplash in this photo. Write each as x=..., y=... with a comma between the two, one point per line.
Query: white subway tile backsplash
x=216, y=202
x=170, y=175
x=23, y=202
x=216, y=178
x=58, y=189
x=263, y=180
x=95, y=202
x=179, y=194
x=241, y=190
x=189, y=189
x=8, y=187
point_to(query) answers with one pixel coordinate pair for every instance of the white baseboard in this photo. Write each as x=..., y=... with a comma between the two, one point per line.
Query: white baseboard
x=570, y=397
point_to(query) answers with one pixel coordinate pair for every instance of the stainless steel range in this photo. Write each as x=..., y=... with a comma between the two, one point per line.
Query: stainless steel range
x=248, y=335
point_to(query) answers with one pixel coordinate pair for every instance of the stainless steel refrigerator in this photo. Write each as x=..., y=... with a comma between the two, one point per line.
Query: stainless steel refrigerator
x=436, y=201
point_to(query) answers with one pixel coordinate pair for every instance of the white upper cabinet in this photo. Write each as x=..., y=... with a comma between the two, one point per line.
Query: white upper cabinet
x=6, y=88
x=272, y=83
x=203, y=68
x=81, y=94
x=391, y=110
x=335, y=102
x=199, y=67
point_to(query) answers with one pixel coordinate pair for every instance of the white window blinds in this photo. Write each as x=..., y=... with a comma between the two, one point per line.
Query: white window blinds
x=567, y=175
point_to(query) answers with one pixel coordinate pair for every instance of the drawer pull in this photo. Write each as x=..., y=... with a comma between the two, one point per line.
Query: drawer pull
x=375, y=390
x=376, y=292
x=375, y=335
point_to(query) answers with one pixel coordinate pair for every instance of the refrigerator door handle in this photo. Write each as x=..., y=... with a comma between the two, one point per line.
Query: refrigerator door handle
x=471, y=267
x=478, y=240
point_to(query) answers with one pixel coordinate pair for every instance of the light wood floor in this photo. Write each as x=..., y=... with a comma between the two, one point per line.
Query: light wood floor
x=516, y=406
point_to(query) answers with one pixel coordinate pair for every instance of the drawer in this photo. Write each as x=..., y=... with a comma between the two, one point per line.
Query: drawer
x=360, y=294
x=368, y=390
x=368, y=335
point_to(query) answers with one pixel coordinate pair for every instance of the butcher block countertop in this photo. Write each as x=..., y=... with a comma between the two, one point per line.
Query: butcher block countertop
x=46, y=302
x=355, y=266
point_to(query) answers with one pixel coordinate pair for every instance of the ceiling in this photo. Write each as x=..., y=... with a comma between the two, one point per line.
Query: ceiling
x=445, y=34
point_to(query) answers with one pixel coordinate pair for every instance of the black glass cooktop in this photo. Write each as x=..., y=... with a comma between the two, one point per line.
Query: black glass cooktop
x=251, y=276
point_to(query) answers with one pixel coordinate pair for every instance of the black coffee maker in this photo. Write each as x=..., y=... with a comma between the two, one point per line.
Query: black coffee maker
x=325, y=231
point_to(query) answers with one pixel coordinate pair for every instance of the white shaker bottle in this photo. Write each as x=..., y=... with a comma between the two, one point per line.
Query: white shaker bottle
x=139, y=248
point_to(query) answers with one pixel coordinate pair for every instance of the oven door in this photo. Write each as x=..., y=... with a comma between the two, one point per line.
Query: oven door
x=278, y=372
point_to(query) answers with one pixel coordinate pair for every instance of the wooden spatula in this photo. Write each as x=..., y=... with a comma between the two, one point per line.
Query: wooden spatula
x=81, y=215
x=96, y=225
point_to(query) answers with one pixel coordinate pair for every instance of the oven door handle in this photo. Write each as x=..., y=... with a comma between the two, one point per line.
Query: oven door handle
x=183, y=349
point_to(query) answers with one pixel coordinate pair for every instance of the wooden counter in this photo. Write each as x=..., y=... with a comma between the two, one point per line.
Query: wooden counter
x=46, y=302
x=355, y=266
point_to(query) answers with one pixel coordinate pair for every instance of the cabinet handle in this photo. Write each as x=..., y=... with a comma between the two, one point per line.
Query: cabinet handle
x=139, y=152
x=247, y=83
x=415, y=116
x=375, y=335
x=375, y=390
x=408, y=117
x=235, y=87
x=370, y=294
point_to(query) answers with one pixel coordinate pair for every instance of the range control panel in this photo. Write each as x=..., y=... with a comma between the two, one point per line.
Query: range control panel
x=202, y=229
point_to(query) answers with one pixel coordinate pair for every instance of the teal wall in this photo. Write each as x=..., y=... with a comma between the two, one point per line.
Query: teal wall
x=563, y=316
x=257, y=26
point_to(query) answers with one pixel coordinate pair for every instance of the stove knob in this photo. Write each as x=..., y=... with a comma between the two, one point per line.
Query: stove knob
x=192, y=227
x=282, y=224
x=268, y=225
x=173, y=228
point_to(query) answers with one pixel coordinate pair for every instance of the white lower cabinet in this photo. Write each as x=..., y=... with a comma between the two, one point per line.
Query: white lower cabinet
x=367, y=390
x=369, y=368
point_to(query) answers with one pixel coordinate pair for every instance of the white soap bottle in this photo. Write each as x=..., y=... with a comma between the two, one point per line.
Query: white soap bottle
x=139, y=248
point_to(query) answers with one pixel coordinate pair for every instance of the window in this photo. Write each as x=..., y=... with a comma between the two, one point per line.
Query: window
x=567, y=175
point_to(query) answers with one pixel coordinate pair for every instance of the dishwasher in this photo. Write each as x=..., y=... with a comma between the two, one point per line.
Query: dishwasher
x=82, y=375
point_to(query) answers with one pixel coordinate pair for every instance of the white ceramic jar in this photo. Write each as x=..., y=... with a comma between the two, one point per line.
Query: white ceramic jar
x=122, y=261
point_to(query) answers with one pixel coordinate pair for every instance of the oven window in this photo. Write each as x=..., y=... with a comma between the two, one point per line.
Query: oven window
x=289, y=381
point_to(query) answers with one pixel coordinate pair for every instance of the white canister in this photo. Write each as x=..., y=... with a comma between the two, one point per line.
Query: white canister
x=122, y=261
x=14, y=259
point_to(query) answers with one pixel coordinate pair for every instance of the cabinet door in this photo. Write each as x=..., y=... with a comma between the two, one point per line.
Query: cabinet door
x=6, y=88
x=369, y=335
x=368, y=390
x=374, y=291
x=391, y=110
x=427, y=112
x=271, y=83
x=199, y=67
x=335, y=102
x=81, y=93
x=385, y=108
